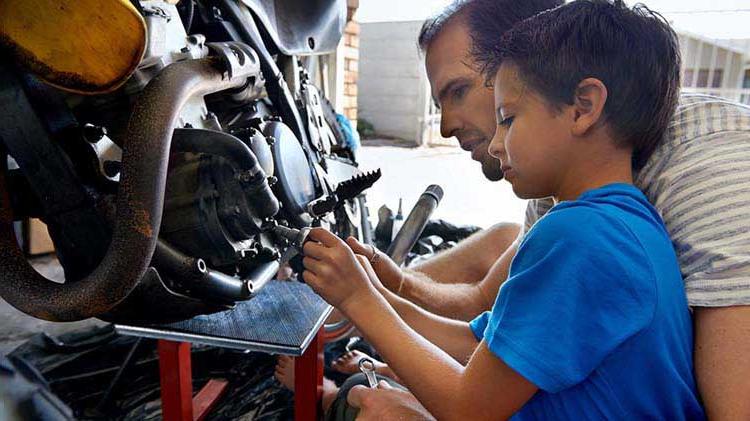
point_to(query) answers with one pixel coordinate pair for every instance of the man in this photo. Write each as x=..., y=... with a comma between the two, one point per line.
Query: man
x=702, y=188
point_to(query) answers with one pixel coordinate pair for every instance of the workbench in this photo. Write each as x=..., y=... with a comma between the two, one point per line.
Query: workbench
x=286, y=317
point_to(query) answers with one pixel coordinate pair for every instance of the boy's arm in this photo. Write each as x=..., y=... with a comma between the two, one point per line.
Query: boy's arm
x=485, y=389
x=452, y=336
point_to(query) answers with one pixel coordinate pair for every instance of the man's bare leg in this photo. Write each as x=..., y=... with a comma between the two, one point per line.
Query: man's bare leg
x=472, y=258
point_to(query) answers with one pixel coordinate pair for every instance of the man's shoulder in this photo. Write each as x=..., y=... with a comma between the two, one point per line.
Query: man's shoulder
x=701, y=127
x=699, y=115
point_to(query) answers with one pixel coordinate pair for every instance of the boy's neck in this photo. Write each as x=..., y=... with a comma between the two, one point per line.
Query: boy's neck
x=596, y=168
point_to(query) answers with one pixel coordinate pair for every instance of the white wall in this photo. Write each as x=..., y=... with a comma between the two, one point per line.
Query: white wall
x=392, y=83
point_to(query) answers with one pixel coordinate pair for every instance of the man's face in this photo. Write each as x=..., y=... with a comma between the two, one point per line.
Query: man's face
x=466, y=104
x=533, y=142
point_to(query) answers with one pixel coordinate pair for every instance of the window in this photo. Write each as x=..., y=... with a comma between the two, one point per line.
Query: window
x=702, y=81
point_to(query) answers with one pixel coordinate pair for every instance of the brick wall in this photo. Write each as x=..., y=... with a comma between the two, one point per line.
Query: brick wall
x=351, y=62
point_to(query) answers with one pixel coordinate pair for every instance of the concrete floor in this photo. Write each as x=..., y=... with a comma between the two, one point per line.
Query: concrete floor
x=469, y=199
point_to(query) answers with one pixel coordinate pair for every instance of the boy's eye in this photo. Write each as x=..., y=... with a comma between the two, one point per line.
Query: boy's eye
x=506, y=122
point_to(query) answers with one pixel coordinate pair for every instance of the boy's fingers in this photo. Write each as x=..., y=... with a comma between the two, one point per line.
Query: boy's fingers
x=324, y=236
x=311, y=279
x=314, y=250
x=313, y=265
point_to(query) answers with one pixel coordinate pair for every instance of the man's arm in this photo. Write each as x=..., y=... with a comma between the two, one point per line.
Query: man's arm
x=470, y=260
x=722, y=366
x=458, y=301
x=462, y=301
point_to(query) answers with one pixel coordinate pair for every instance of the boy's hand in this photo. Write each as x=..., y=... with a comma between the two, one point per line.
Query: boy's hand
x=332, y=270
x=389, y=273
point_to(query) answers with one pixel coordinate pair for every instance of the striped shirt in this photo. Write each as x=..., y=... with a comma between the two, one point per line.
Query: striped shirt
x=699, y=180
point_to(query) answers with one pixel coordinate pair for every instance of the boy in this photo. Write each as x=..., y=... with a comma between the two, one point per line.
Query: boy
x=593, y=320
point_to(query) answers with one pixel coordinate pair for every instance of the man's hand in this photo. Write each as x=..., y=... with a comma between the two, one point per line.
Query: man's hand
x=389, y=273
x=333, y=271
x=386, y=403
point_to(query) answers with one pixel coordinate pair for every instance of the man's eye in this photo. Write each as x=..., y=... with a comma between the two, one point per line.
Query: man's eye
x=506, y=122
x=459, y=92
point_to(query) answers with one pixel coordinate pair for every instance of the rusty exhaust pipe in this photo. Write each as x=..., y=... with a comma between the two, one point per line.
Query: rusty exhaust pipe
x=140, y=200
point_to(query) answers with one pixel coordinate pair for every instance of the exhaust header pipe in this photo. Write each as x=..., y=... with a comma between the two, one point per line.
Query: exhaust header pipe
x=140, y=200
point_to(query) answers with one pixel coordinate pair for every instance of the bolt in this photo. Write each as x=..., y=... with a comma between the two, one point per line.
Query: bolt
x=245, y=176
x=200, y=264
x=92, y=133
x=111, y=168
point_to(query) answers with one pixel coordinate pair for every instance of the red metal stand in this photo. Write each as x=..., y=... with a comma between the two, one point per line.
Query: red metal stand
x=178, y=404
x=308, y=380
x=175, y=370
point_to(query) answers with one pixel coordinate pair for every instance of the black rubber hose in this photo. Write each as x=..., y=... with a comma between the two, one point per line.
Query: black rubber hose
x=217, y=143
x=254, y=180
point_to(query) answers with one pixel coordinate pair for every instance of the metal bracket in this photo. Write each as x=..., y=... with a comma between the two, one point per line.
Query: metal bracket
x=241, y=60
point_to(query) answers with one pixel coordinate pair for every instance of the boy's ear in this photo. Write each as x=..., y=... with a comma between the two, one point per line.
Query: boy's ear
x=588, y=104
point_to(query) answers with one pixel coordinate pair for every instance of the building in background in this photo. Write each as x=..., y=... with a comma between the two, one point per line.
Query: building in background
x=394, y=93
x=716, y=67
x=337, y=74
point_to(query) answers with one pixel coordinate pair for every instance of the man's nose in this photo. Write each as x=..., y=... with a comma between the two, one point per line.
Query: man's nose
x=450, y=123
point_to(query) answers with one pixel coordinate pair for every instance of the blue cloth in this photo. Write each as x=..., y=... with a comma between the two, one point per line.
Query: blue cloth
x=594, y=314
x=350, y=134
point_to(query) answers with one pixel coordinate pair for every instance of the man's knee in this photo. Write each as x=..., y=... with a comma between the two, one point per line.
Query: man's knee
x=495, y=240
x=504, y=232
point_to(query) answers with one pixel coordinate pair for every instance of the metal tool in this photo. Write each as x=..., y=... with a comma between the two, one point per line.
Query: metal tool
x=367, y=366
x=296, y=237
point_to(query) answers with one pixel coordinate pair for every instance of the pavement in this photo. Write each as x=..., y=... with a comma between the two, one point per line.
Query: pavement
x=469, y=199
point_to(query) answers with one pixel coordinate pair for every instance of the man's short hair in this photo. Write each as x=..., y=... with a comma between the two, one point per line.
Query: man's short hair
x=634, y=52
x=432, y=27
x=502, y=13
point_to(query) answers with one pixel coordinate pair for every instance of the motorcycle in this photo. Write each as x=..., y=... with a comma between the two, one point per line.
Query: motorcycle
x=167, y=147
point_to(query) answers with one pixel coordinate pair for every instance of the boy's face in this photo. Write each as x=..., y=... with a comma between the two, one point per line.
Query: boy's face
x=532, y=141
x=465, y=102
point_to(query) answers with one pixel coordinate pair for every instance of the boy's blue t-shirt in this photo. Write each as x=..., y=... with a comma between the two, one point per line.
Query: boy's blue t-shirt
x=594, y=314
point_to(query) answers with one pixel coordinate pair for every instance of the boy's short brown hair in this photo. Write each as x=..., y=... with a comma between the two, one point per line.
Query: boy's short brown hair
x=634, y=52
